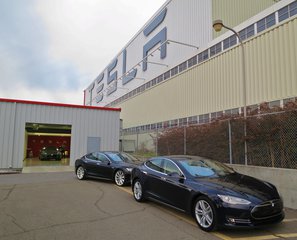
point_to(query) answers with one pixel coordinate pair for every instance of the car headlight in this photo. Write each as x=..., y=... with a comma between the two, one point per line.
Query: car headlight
x=233, y=200
x=129, y=169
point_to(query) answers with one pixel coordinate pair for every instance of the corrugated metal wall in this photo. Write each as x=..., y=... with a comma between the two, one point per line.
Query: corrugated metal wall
x=215, y=85
x=85, y=123
x=233, y=12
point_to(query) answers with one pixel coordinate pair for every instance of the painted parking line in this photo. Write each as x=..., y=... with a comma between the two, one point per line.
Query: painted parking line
x=290, y=220
x=223, y=236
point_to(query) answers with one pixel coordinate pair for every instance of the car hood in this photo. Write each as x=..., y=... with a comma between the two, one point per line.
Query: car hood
x=239, y=185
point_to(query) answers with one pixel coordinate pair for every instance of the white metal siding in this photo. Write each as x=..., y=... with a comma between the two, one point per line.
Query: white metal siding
x=187, y=21
x=85, y=123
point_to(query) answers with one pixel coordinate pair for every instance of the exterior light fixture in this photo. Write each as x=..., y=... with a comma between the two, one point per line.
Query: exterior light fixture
x=218, y=25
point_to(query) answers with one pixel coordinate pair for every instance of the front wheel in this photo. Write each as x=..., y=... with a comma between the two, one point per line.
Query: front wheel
x=205, y=214
x=119, y=178
x=138, y=191
x=80, y=173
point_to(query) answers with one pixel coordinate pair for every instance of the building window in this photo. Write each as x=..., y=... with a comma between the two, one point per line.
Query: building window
x=204, y=118
x=234, y=111
x=266, y=23
x=153, y=126
x=182, y=122
x=192, y=120
x=216, y=115
x=166, y=124
x=167, y=75
x=159, y=125
x=287, y=11
x=148, y=84
x=182, y=66
x=288, y=100
x=247, y=32
x=229, y=42
x=252, y=109
x=174, y=71
x=154, y=82
x=192, y=61
x=203, y=56
x=216, y=49
x=142, y=88
x=274, y=104
x=160, y=78
x=174, y=123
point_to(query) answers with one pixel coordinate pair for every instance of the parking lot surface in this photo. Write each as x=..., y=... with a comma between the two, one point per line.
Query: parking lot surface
x=58, y=206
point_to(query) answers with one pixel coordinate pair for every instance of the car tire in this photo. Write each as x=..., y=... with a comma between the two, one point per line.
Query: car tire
x=81, y=173
x=205, y=214
x=138, y=191
x=119, y=178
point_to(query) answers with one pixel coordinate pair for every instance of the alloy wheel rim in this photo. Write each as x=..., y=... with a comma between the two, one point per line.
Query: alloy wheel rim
x=137, y=190
x=119, y=178
x=204, y=214
x=80, y=172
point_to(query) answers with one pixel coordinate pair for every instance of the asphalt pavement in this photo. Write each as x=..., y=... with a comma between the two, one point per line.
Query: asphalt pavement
x=46, y=206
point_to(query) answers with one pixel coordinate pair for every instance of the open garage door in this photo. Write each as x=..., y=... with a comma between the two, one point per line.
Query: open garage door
x=47, y=144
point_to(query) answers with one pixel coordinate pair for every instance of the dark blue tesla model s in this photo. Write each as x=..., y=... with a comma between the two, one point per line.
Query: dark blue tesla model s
x=110, y=165
x=212, y=192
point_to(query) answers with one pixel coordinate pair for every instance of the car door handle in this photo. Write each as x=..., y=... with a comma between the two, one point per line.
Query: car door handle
x=163, y=178
x=98, y=163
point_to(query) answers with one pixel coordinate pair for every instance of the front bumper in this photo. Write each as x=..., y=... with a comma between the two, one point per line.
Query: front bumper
x=251, y=216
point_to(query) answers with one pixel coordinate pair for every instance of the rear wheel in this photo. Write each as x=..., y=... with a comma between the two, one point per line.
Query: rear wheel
x=81, y=173
x=138, y=191
x=205, y=214
x=119, y=178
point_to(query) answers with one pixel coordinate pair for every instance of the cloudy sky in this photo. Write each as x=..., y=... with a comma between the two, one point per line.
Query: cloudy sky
x=51, y=50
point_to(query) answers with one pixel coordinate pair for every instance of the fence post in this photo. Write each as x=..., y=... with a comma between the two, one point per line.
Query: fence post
x=137, y=140
x=185, y=140
x=156, y=142
x=230, y=142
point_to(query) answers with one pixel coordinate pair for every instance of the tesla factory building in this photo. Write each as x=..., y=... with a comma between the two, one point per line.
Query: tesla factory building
x=177, y=70
x=27, y=126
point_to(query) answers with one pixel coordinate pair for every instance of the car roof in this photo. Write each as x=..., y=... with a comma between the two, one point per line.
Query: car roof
x=183, y=157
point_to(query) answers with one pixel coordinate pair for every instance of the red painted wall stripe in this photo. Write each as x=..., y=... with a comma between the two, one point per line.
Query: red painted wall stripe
x=58, y=104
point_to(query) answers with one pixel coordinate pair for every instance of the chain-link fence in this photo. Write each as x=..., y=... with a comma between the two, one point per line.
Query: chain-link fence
x=270, y=139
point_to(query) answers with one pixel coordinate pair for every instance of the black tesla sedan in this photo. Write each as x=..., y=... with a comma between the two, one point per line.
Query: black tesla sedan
x=212, y=192
x=116, y=166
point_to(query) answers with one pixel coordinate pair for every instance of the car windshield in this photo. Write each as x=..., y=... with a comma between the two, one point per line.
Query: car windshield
x=205, y=168
x=122, y=157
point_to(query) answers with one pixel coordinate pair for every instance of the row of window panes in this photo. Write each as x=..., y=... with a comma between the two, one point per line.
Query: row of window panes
x=244, y=34
x=205, y=118
x=266, y=22
x=287, y=11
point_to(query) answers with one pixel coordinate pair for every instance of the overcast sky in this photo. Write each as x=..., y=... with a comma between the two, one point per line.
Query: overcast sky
x=51, y=50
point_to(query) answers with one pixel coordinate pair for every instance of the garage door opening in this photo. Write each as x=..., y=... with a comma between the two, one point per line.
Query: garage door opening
x=47, y=144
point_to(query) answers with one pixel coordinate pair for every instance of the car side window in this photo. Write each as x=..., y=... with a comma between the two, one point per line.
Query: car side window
x=92, y=156
x=156, y=164
x=103, y=158
x=170, y=167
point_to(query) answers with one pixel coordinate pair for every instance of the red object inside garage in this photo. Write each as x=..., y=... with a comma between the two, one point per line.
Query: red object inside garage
x=35, y=143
